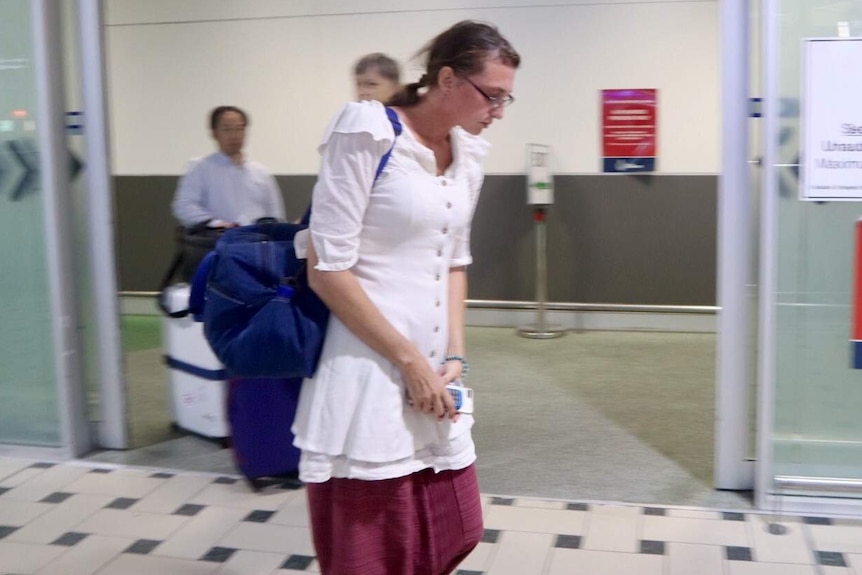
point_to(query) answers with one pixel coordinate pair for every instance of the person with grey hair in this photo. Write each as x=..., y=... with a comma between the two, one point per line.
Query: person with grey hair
x=377, y=77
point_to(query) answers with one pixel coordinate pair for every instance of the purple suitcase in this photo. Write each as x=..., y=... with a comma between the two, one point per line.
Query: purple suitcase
x=261, y=411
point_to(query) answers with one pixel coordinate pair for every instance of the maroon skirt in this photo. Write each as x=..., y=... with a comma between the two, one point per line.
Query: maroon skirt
x=422, y=524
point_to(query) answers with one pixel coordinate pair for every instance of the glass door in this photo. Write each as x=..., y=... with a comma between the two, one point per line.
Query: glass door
x=810, y=452
x=59, y=328
x=29, y=411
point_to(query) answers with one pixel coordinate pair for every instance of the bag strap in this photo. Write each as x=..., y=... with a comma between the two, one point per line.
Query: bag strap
x=197, y=291
x=161, y=299
x=169, y=275
x=396, y=126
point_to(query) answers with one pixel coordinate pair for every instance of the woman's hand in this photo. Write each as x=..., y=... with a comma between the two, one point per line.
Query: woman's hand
x=452, y=370
x=427, y=391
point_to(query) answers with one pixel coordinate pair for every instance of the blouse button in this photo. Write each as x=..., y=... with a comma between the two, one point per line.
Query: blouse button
x=445, y=230
x=433, y=354
x=439, y=253
x=436, y=328
x=449, y=205
x=437, y=277
x=443, y=183
x=437, y=304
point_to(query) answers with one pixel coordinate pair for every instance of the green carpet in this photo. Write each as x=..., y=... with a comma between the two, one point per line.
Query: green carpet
x=141, y=332
x=619, y=416
x=613, y=416
x=146, y=380
x=148, y=397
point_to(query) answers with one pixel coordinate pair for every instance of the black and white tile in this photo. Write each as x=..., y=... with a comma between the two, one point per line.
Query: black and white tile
x=60, y=518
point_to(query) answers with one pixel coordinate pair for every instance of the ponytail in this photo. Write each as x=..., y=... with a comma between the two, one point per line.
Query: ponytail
x=409, y=94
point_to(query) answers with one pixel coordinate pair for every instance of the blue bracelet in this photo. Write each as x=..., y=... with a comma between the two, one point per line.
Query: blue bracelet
x=465, y=365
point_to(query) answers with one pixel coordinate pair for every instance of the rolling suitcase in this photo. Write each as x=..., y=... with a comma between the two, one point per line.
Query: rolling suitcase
x=197, y=381
x=261, y=412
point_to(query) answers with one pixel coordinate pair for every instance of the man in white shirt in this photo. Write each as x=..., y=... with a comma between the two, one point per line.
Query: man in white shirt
x=225, y=189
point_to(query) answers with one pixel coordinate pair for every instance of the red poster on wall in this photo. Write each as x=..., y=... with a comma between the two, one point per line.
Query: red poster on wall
x=856, y=328
x=629, y=130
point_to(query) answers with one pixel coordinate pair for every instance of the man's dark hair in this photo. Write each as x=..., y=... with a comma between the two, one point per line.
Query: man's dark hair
x=216, y=115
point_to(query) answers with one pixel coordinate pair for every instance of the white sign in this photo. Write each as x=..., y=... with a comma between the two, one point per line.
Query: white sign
x=540, y=185
x=831, y=151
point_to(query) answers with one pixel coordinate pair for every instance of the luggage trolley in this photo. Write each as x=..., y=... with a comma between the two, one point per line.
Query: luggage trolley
x=197, y=381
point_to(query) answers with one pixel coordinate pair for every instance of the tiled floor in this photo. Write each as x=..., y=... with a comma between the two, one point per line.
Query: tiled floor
x=82, y=518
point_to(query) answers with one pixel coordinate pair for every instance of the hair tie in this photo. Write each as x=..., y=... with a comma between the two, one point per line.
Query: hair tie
x=423, y=81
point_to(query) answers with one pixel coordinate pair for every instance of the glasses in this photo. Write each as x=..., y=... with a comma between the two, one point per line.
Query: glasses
x=493, y=101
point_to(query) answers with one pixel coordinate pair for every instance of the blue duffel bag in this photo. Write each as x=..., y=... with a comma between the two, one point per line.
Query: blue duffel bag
x=260, y=316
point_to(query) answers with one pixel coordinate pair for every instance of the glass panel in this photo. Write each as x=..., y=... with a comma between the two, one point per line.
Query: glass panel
x=817, y=427
x=28, y=395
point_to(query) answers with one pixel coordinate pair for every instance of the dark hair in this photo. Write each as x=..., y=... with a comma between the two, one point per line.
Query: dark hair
x=386, y=66
x=465, y=47
x=217, y=113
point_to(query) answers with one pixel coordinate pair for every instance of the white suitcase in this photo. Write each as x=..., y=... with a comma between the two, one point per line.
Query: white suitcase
x=196, y=379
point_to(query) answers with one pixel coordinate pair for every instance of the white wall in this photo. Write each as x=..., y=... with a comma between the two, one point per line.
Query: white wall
x=288, y=63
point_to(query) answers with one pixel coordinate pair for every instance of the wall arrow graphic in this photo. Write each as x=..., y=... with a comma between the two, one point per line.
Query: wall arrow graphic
x=5, y=169
x=27, y=155
x=19, y=168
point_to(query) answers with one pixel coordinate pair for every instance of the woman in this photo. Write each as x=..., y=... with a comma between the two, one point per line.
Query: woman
x=377, y=77
x=387, y=460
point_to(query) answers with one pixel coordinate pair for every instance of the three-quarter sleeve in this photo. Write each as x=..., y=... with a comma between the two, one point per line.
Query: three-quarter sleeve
x=351, y=150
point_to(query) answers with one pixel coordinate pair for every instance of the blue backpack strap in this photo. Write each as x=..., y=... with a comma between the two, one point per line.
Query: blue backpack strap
x=396, y=126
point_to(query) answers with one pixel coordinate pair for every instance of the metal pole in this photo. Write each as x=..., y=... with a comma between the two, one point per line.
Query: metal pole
x=733, y=470
x=541, y=270
x=541, y=329
x=113, y=432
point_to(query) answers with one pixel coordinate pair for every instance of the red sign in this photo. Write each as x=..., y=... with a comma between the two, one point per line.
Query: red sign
x=856, y=329
x=629, y=134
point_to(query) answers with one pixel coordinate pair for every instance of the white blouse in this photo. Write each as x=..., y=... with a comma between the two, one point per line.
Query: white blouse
x=399, y=236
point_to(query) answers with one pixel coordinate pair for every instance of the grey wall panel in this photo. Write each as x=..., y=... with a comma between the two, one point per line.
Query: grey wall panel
x=145, y=229
x=647, y=240
x=502, y=242
x=145, y=225
x=633, y=239
x=296, y=191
